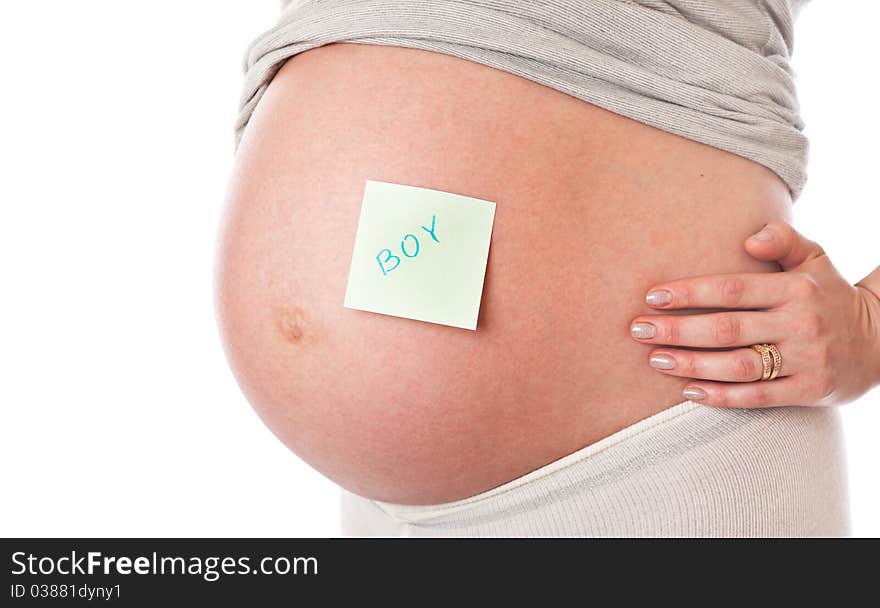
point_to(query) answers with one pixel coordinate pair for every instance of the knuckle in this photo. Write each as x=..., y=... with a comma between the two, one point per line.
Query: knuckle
x=746, y=368
x=814, y=248
x=727, y=330
x=732, y=289
x=669, y=331
x=683, y=294
x=805, y=286
x=687, y=364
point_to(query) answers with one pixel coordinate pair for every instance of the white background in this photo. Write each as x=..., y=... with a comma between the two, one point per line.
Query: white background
x=119, y=414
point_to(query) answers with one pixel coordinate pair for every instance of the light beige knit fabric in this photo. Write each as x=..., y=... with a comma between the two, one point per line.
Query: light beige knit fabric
x=715, y=71
x=688, y=471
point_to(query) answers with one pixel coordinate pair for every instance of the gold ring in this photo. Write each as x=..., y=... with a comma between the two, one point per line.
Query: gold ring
x=771, y=358
x=766, y=359
x=777, y=360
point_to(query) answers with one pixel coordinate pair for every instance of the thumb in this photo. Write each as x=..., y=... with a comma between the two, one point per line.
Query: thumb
x=778, y=241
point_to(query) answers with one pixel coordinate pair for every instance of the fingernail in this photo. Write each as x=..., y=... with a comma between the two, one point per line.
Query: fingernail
x=763, y=236
x=642, y=330
x=661, y=361
x=693, y=393
x=658, y=297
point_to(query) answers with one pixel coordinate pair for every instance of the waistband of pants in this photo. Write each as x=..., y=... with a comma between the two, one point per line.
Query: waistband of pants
x=416, y=513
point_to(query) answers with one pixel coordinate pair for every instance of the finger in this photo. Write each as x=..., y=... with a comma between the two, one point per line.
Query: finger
x=712, y=330
x=738, y=365
x=733, y=290
x=769, y=393
x=780, y=242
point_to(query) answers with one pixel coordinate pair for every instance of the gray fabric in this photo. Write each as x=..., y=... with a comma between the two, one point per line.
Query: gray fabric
x=715, y=71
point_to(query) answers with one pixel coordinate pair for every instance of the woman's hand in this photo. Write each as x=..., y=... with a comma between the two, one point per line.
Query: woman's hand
x=827, y=331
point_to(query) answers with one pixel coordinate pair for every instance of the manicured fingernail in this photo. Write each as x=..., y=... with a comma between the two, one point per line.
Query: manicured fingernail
x=693, y=393
x=661, y=361
x=642, y=330
x=659, y=297
x=763, y=236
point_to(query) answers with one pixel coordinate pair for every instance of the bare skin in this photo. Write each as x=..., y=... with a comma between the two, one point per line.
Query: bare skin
x=592, y=209
x=828, y=330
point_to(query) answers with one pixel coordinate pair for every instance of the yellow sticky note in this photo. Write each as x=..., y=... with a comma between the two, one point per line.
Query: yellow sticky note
x=420, y=254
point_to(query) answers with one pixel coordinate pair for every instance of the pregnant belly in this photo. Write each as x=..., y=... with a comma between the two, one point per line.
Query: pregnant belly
x=592, y=208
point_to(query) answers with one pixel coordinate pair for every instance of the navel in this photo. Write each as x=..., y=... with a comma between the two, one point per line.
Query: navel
x=291, y=323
